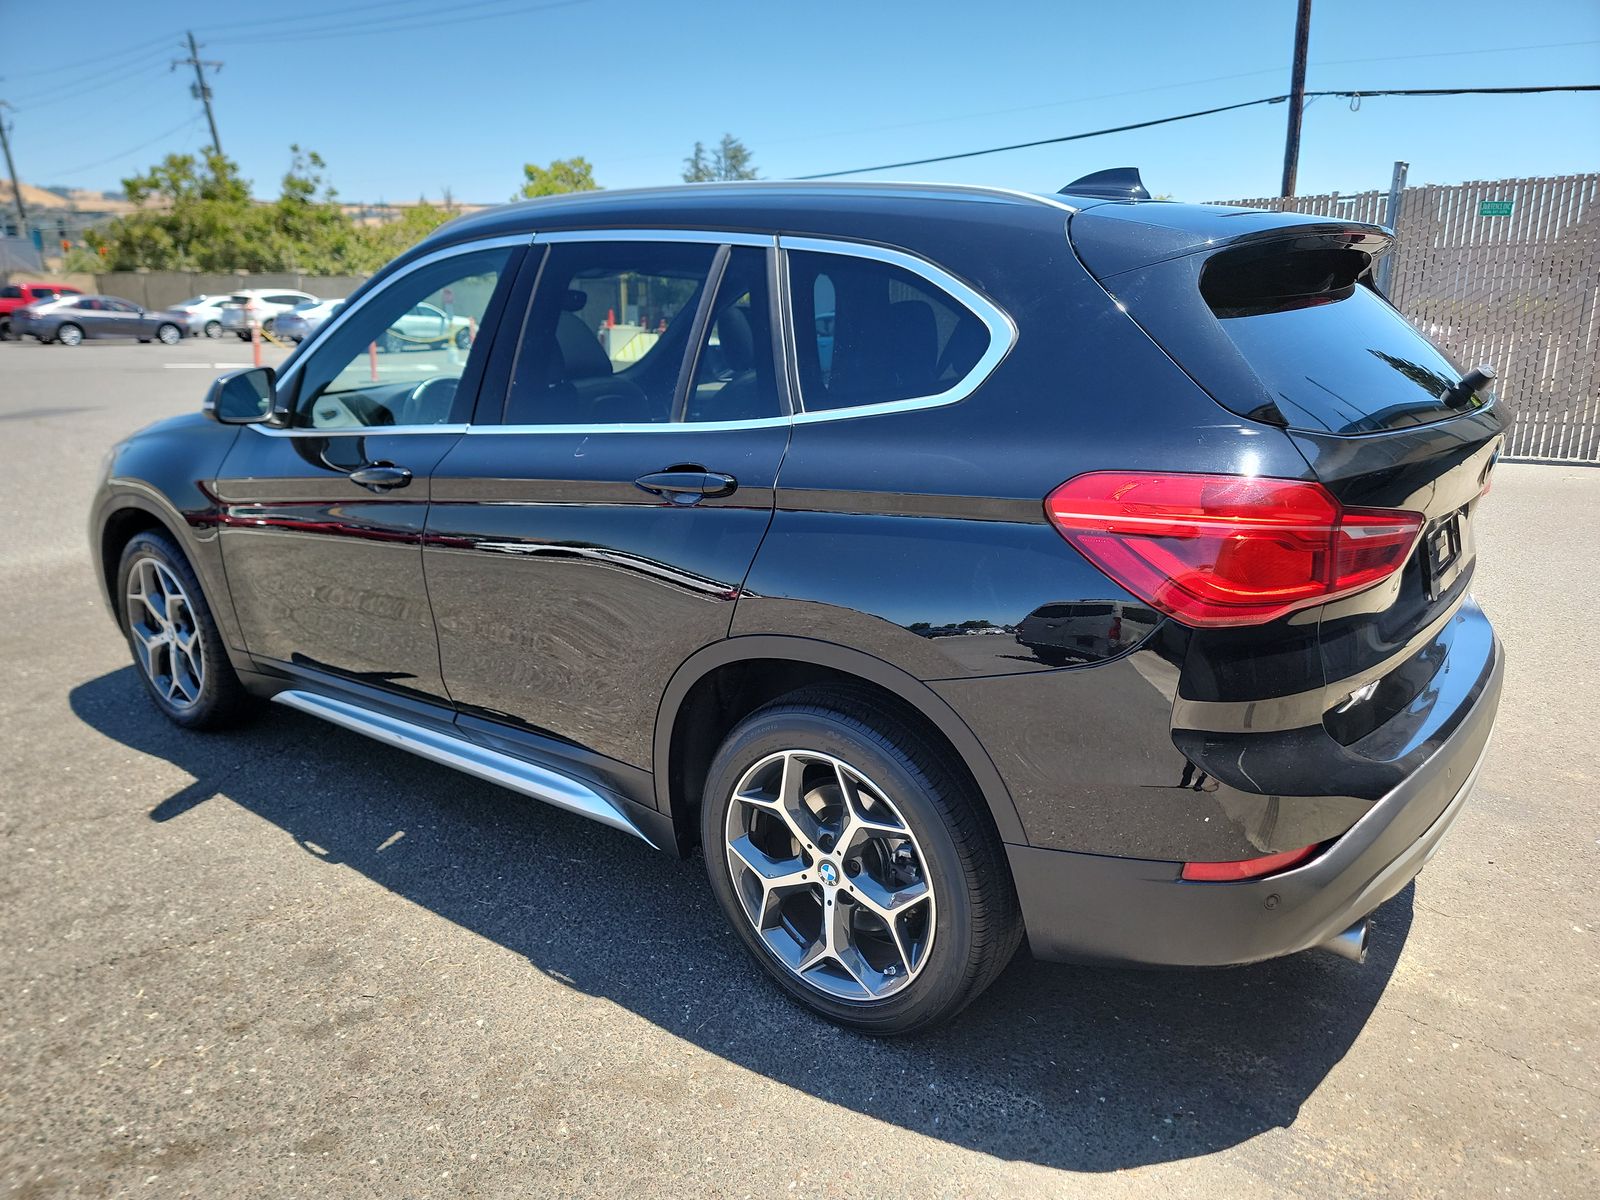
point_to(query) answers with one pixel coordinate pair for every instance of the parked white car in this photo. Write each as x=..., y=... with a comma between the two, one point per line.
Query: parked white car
x=204, y=313
x=258, y=306
x=426, y=326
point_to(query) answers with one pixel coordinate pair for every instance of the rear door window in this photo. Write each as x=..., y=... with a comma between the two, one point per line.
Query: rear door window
x=607, y=333
x=870, y=332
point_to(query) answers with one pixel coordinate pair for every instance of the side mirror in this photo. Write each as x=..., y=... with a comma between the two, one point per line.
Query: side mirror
x=242, y=397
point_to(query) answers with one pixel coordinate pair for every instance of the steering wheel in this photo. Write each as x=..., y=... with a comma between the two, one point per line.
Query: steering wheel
x=429, y=403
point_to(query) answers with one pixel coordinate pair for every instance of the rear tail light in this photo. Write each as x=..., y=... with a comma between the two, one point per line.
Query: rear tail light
x=1215, y=550
x=1246, y=868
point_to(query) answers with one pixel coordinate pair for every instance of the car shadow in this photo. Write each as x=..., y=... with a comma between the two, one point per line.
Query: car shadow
x=1087, y=1069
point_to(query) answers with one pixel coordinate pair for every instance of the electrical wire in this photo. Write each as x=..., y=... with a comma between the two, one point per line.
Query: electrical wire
x=1206, y=112
x=373, y=29
x=187, y=123
x=56, y=94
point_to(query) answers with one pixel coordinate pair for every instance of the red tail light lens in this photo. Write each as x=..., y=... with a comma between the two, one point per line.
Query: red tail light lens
x=1246, y=868
x=1216, y=550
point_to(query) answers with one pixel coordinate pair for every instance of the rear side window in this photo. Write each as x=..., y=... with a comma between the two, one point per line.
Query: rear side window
x=1332, y=353
x=870, y=332
x=10, y=293
x=607, y=333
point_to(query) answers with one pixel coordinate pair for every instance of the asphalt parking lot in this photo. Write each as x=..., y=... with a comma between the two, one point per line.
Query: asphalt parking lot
x=289, y=961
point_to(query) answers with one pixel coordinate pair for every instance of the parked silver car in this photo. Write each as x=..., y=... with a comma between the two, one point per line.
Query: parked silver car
x=259, y=306
x=301, y=321
x=70, y=321
x=205, y=314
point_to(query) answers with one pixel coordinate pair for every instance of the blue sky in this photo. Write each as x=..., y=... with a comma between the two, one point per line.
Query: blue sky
x=413, y=96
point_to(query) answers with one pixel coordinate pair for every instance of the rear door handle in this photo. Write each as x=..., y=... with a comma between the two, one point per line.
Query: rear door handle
x=381, y=477
x=687, y=486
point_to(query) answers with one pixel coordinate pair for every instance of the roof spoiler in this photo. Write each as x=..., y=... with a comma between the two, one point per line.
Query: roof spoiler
x=1118, y=183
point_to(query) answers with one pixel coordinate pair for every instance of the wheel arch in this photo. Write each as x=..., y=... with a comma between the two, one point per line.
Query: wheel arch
x=685, y=738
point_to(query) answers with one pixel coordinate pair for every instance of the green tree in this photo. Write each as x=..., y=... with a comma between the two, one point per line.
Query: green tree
x=562, y=175
x=731, y=159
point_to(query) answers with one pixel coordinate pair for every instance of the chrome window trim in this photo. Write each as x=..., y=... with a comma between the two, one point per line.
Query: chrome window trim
x=1002, y=329
x=292, y=376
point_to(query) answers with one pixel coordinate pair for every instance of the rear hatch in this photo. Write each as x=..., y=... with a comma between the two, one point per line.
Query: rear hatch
x=1275, y=316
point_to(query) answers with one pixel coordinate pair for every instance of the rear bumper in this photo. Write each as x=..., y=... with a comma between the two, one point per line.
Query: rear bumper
x=1088, y=907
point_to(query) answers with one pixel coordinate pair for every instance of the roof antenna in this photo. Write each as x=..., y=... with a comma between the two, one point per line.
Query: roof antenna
x=1119, y=183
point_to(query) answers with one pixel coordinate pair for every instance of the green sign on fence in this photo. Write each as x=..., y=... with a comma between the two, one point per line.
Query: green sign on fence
x=1494, y=208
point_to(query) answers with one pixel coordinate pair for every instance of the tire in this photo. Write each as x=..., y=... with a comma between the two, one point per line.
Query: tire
x=266, y=326
x=244, y=336
x=5, y=329
x=463, y=339
x=69, y=334
x=939, y=846
x=169, y=334
x=209, y=697
x=388, y=343
x=213, y=329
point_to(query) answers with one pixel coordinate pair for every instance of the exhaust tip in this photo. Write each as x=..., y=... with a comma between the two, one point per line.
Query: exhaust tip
x=1352, y=943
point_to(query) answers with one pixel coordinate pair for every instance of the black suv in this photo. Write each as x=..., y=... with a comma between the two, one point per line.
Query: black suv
x=949, y=563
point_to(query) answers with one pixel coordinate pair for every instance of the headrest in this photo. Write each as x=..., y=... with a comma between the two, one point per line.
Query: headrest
x=738, y=343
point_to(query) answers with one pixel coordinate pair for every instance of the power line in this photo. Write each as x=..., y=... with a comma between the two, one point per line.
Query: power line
x=57, y=71
x=368, y=29
x=187, y=123
x=1206, y=112
x=71, y=91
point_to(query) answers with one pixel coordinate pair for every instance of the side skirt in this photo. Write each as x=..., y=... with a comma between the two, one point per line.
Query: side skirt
x=471, y=758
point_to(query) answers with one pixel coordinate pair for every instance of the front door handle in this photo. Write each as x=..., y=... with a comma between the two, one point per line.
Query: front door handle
x=687, y=486
x=381, y=477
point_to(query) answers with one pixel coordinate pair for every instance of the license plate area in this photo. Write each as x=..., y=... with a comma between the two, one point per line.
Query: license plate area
x=1444, y=552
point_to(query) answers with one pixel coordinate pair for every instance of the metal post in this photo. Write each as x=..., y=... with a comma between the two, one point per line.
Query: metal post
x=11, y=168
x=1391, y=218
x=1297, y=98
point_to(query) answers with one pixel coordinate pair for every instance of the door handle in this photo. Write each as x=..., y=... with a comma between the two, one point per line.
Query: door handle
x=686, y=486
x=381, y=477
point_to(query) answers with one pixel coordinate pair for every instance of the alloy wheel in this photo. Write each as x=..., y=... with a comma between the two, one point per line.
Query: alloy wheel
x=830, y=875
x=169, y=335
x=69, y=335
x=165, y=633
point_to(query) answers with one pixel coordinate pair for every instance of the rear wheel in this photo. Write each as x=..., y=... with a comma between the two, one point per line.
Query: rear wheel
x=855, y=865
x=69, y=335
x=174, y=639
x=169, y=335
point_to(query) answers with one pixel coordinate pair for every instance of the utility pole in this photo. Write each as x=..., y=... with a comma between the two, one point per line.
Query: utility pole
x=201, y=89
x=11, y=168
x=1297, y=97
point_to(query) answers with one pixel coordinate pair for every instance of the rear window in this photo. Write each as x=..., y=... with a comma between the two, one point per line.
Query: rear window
x=1331, y=352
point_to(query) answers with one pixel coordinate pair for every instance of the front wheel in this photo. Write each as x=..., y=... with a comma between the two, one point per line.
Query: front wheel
x=176, y=645
x=855, y=864
x=169, y=335
x=69, y=335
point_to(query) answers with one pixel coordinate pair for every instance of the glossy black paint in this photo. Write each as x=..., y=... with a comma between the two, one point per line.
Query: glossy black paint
x=324, y=571
x=566, y=595
x=523, y=586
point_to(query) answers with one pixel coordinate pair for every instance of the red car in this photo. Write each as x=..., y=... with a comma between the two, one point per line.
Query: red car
x=18, y=295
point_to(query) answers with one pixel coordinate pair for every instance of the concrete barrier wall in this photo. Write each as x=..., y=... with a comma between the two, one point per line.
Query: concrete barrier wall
x=158, y=289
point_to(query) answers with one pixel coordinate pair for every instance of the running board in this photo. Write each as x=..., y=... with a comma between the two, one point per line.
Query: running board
x=518, y=774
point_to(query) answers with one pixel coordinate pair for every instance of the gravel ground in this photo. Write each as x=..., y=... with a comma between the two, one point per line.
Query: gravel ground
x=287, y=961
